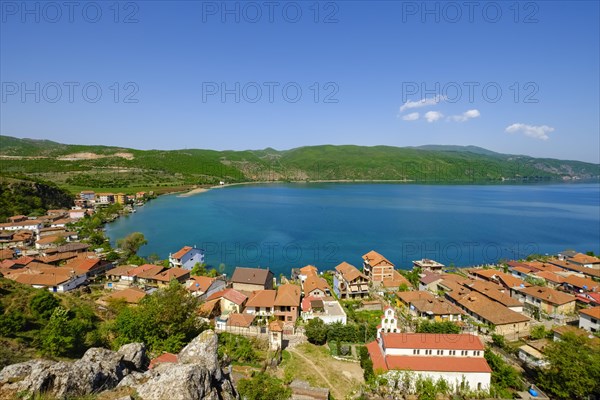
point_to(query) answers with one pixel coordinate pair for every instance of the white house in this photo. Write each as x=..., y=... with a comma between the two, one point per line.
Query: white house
x=187, y=257
x=456, y=358
x=29, y=225
x=326, y=308
x=76, y=213
x=589, y=319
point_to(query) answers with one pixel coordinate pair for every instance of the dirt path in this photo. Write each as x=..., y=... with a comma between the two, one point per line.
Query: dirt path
x=336, y=393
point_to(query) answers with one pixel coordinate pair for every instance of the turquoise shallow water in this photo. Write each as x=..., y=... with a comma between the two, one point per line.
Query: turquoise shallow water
x=289, y=225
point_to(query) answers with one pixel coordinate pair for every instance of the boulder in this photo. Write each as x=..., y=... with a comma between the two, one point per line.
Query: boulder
x=135, y=353
x=202, y=350
x=178, y=382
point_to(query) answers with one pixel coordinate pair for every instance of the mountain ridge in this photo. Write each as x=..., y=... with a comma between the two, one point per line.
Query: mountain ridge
x=98, y=166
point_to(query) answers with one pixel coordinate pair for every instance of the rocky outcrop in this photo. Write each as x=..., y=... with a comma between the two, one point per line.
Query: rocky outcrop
x=197, y=375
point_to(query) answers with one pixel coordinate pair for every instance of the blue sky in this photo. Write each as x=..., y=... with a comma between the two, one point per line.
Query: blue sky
x=369, y=73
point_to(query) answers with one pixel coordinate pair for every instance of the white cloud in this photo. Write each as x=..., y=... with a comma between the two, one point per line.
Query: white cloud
x=534, y=131
x=467, y=115
x=411, y=117
x=422, y=103
x=432, y=116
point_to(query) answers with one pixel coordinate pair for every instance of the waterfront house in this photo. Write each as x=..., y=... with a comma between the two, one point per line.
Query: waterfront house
x=593, y=273
x=429, y=281
x=349, y=282
x=105, y=198
x=589, y=319
x=377, y=268
x=495, y=292
x=145, y=274
x=314, y=285
x=578, y=284
x=428, y=265
x=458, y=359
x=165, y=276
x=251, y=279
x=187, y=257
x=305, y=272
x=585, y=261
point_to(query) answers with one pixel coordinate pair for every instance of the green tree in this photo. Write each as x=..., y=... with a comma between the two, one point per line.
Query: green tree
x=539, y=332
x=43, y=304
x=57, y=337
x=131, y=243
x=574, y=368
x=263, y=387
x=504, y=376
x=165, y=320
x=316, y=331
x=11, y=322
x=403, y=288
x=499, y=340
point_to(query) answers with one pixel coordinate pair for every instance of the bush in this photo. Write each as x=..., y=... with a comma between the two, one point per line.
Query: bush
x=438, y=327
x=43, y=304
x=263, y=387
x=316, y=331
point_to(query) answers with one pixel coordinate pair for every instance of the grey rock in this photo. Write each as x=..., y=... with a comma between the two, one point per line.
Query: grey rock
x=202, y=350
x=178, y=382
x=135, y=353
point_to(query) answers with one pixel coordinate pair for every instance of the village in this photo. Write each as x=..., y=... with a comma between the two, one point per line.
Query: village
x=380, y=325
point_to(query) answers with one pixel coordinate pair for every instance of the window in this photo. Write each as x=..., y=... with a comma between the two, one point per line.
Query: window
x=440, y=352
x=416, y=351
x=452, y=352
x=268, y=309
x=391, y=321
x=428, y=352
x=594, y=321
x=463, y=352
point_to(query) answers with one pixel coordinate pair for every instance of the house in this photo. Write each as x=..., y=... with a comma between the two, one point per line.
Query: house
x=505, y=322
x=88, y=195
x=105, y=198
x=545, y=299
x=120, y=198
x=428, y=265
x=429, y=281
x=61, y=223
x=495, y=292
x=231, y=301
x=204, y=286
x=423, y=304
x=578, y=284
x=570, y=266
x=589, y=319
x=327, y=309
x=55, y=279
x=87, y=265
x=187, y=257
x=17, y=218
x=561, y=331
x=123, y=274
x=27, y=225
x=236, y=320
x=377, y=268
x=532, y=353
x=306, y=271
x=509, y=281
x=314, y=285
x=552, y=279
x=349, y=282
x=76, y=214
x=394, y=283
x=261, y=303
x=585, y=261
x=457, y=358
x=145, y=274
x=287, y=303
x=165, y=276
x=251, y=279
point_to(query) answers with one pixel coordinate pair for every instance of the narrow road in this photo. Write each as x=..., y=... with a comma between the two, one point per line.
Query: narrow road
x=336, y=394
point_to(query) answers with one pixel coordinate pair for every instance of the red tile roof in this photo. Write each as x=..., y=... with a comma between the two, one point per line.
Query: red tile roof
x=592, y=312
x=240, y=320
x=184, y=250
x=288, y=295
x=349, y=272
x=171, y=273
x=460, y=341
x=548, y=295
x=200, y=283
x=230, y=294
x=374, y=259
x=262, y=298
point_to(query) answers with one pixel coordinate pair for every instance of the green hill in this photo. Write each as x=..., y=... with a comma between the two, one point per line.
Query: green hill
x=103, y=167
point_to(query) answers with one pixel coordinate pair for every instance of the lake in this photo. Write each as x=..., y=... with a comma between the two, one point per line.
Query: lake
x=281, y=226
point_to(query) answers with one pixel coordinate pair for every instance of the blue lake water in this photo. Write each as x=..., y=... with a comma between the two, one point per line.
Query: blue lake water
x=290, y=225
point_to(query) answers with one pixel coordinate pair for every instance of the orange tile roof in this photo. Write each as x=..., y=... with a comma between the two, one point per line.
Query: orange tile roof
x=288, y=295
x=240, y=320
x=146, y=271
x=313, y=282
x=397, y=280
x=200, y=283
x=276, y=326
x=581, y=283
x=262, y=298
x=374, y=259
x=308, y=270
x=184, y=250
x=408, y=297
x=547, y=294
x=494, y=292
x=230, y=294
x=43, y=279
x=83, y=265
x=592, y=312
x=458, y=341
x=349, y=272
x=576, y=267
x=550, y=276
x=438, y=364
x=581, y=258
x=171, y=273
x=486, y=308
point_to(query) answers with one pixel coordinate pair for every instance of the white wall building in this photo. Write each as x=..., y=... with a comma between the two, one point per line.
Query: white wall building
x=389, y=322
x=589, y=319
x=456, y=358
